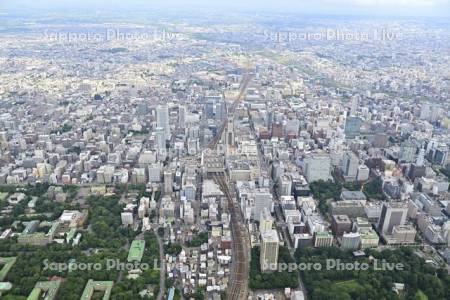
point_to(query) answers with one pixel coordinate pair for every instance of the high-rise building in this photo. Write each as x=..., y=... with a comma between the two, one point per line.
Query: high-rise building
x=168, y=182
x=138, y=176
x=162, y=119
x=392, y=214
x=354, y=105
x=160, y=144
x=425, y=112
x=230, y=132
x=341, y=224
x=404, y=234
x=221, y=110
x=352, y=127
x=317, y=167
x=363, y=173
x=263, y=200
x=420, y=158
x=277, y=130
x=285, y=186
x=323, y=239
x=182, y=116
x=351, y=241
x=269, y=250
x=350, y=164
x=369, y=238
x=265, y=221
x=440, y=155
x=127, y=218
x=154, y=172
x=3, y=140
x=407, y=152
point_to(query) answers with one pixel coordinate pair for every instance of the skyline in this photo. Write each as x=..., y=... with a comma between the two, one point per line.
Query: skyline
x=218, y=150
x=378, y=8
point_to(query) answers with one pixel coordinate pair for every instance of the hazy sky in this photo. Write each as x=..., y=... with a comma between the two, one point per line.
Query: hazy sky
x=345, y=7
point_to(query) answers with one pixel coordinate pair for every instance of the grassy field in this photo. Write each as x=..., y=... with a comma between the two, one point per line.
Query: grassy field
x=348, y=286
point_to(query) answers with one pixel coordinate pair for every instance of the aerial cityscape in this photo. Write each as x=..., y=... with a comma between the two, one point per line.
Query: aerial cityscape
x=192, y=150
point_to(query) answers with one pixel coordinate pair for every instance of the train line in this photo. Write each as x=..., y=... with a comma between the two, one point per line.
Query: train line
x=245, y=83
x=238, y=285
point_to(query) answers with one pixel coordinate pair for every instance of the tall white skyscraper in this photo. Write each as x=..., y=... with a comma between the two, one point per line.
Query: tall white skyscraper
x=269, y=250
x=354, y=105
x=162, y=119
x=160, y=144
x=168, y=182
x=182, y=116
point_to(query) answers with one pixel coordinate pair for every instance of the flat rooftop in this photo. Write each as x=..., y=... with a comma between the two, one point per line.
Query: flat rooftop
x=8, y=263
x=49, y=287
x=92, y=286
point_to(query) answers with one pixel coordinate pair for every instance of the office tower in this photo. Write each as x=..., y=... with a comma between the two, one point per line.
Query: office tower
x=440, y=155
x=160, y=141
x=317, y=167
x=416, y=171
x=269, y=250
x=350, y=164
x=277, y=130
x=392, y=214
x=436, y=113
x=323, y=239
x=209, y=108
x=350, y=241
x=352, y=127
x=3, y=140
x=162, y=119
x=168, y=182
x=105, y=174
x=182, y=116
x=369, y=238
x=127, y=218
x=407, y=152
x=425, y=112
x=265, y=221
x=263, y=200
x=44, y=169
x=404, y=234
x=341, y=224
x=138, y=176
x=221, y=110
x=420, y=158
x=285, y=187
x=154, y=172
x=363, y=173
x=354, y=105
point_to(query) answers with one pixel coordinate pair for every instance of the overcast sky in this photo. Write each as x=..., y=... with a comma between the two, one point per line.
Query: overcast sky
x=340, y=7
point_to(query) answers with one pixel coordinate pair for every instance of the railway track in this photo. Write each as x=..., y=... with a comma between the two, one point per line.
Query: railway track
x=238, y=285
x=245, y=83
